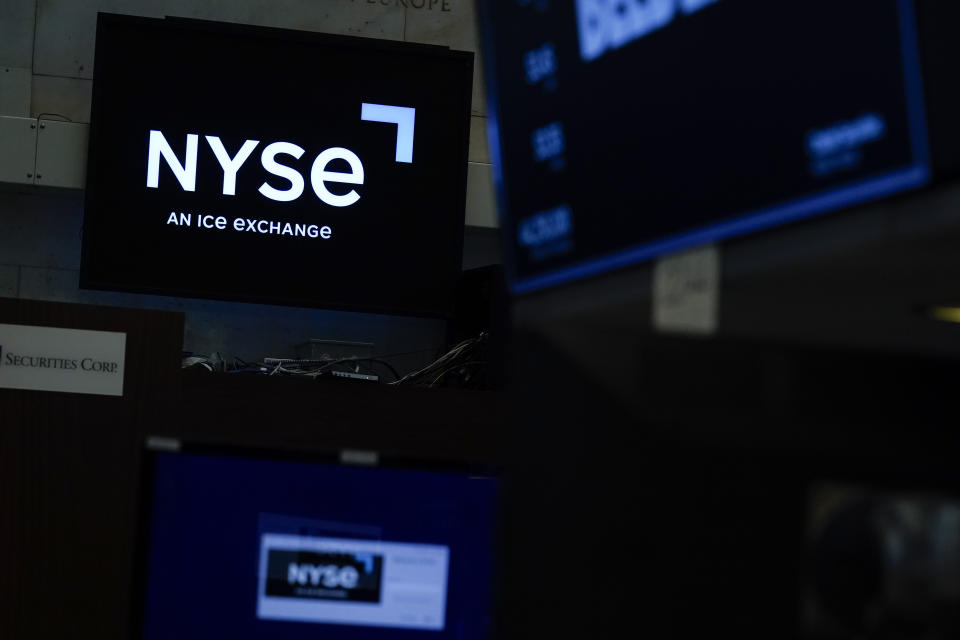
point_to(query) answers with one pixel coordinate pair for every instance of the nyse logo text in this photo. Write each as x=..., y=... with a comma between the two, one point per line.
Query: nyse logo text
x=185, y=171
x=330, y=576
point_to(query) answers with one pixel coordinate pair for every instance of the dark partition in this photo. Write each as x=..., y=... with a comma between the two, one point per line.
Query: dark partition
x=68, y=464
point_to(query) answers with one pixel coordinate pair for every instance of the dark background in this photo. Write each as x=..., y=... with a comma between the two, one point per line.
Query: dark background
x=696, y=123
x=397, y=249
x=689, y=505
x=205, y=540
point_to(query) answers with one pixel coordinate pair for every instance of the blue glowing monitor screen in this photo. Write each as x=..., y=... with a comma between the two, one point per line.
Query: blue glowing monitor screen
x=624, y=130
x=262, y=548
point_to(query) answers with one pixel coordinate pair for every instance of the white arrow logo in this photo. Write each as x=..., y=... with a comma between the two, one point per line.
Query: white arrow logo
x=403, y=117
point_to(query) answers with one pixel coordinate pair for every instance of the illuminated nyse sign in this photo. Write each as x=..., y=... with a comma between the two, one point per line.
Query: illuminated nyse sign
x=186, y=171
x=269, y=187
x=610, y=24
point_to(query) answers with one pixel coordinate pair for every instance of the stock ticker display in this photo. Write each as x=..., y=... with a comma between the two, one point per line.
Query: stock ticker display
x=626, y=129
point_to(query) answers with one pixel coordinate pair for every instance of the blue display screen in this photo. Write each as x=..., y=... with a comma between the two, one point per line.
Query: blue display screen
x=260, y=548
x=625, y=130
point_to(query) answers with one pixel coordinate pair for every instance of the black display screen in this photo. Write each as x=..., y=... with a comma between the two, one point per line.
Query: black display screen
x=276, y=166
x=624, y=130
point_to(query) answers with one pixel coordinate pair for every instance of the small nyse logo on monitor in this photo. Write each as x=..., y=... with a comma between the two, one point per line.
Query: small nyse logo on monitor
x=351, y=577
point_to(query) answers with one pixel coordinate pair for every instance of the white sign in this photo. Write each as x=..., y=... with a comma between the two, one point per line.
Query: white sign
x=64, y=360
x=686, y=292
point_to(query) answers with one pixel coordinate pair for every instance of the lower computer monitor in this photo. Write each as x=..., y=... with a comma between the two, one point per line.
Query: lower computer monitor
x=260, y=545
